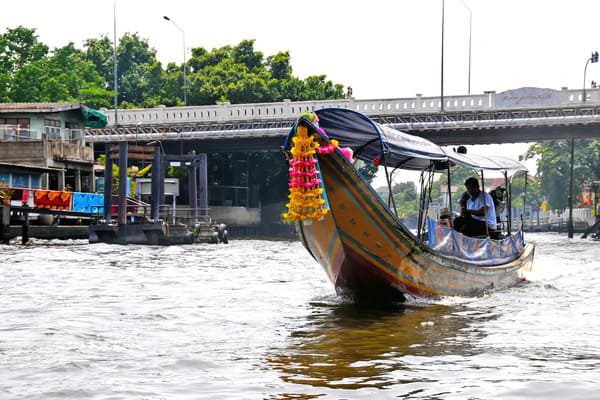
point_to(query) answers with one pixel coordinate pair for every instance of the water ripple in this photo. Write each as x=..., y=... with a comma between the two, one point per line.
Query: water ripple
x=259, y=320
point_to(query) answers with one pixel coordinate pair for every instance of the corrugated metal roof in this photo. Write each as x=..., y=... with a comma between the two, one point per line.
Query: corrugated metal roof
x=37, y=107
x=6, y=165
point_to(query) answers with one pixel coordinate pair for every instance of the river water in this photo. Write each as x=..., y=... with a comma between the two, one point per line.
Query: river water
x=259, y=320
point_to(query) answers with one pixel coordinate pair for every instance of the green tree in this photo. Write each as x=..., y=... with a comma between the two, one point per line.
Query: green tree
x=244, y=53
x=135, y=58
x=65, y=75
x=405, y=199
x=100, y=53
x=531, y=194
x=279, y=66
x=139, y=74
x=19, y=47
x=553, y=168
x=240, y=74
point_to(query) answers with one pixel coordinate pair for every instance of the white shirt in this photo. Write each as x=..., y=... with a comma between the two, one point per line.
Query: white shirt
x=477, y=203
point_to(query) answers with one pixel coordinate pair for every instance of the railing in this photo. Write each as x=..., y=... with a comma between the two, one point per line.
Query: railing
x=140, y=212
x=418, y=104
x=14, y=133
x=552, y=220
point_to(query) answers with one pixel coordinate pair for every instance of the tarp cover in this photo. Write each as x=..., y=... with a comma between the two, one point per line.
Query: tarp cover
x=369, y=140
x=93, y=118
x=497, y=163
x=448, y=242
x=88, y=202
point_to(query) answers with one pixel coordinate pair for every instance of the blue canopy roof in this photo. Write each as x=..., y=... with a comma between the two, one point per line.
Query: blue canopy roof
x=370, y=141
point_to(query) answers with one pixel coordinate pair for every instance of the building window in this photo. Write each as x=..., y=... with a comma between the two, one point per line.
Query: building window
x=14, y=128
x=73, y=130
x=52, y=129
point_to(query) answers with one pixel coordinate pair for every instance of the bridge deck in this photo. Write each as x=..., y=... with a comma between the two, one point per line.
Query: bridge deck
x=524, y=114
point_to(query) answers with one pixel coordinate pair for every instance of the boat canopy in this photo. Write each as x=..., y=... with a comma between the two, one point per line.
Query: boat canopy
x=373, y=142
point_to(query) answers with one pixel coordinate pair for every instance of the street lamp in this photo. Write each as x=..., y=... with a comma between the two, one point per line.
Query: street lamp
x=184, y=60
x=442, y=67
x=470, y=26
x=593, y=59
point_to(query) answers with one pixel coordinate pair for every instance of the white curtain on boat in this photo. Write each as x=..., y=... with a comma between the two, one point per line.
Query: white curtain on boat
x=448, y=242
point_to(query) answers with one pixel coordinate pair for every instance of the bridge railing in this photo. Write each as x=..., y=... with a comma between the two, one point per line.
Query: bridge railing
x=519, y=99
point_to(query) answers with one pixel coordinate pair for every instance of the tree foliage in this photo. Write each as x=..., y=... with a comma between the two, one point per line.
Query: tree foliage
x=19, y=47
x=29, y=72
x=553, y=168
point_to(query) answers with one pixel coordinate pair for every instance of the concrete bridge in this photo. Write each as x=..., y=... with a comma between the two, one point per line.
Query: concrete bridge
x=520, y=115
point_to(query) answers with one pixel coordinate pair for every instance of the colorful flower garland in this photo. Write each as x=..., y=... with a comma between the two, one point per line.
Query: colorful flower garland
x=306, y=191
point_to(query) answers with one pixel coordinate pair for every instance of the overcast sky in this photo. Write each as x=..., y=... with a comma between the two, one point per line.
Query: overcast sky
x=382, y=49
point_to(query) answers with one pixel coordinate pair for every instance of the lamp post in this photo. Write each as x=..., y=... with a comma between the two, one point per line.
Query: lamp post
x=116, y=80
x=593, y=59
x=442, y=68
x=184, y=60
x=470, y=29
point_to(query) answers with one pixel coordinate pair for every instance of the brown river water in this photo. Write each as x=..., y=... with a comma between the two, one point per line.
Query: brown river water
x=259, y=320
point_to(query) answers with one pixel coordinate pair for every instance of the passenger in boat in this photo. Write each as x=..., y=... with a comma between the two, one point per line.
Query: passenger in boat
x=445, y=217
x=499, y=196
x=478, y=215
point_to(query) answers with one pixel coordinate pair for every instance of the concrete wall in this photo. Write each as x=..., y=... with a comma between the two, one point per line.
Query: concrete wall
x=235, y=216
x=32, y=153
x=65, y=151
x=46, y=154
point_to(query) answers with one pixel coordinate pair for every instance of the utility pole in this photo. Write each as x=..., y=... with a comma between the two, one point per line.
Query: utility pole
x=442, y=76
x=115, y=59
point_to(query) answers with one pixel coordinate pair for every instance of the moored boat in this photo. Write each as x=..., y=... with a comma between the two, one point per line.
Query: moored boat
x=366, y=250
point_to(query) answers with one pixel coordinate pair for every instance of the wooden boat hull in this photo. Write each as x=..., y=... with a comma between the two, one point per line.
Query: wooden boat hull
x=368, y=254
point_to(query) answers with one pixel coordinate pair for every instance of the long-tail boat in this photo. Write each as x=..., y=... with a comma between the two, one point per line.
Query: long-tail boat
x=358, y=238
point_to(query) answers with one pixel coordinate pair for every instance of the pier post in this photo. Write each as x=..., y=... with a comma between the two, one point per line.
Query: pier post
x=570, y=226
x=155, y=189
x=25, y=228
x=5, y=223
x=203, y=184
x=193, y=193
x=122, y=229
x=107, y=186
x=161, y=182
